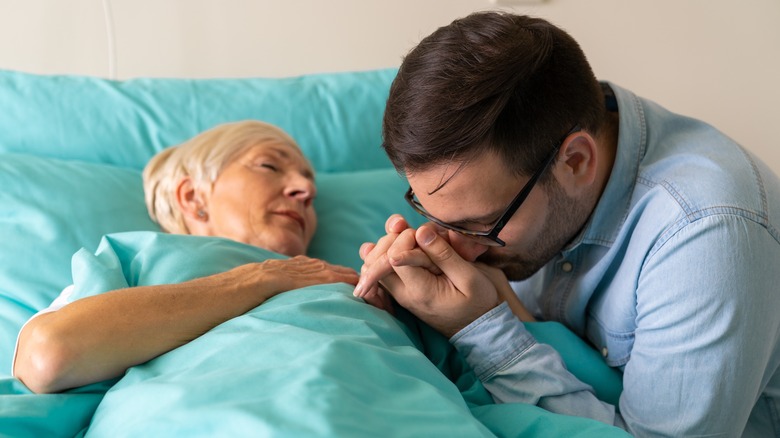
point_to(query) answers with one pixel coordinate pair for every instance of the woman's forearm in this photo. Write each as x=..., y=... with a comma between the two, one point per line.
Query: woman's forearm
x=99, y=337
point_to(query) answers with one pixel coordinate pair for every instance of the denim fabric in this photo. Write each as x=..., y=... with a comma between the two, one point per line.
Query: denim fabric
x=675, y=279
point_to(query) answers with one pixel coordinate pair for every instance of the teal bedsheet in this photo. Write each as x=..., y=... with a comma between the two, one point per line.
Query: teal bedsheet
x=310, y=362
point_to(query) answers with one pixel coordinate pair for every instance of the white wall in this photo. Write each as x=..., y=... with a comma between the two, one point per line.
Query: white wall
x=717, y=60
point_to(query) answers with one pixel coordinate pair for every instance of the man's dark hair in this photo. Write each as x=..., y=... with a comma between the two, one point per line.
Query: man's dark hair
x=490, y=81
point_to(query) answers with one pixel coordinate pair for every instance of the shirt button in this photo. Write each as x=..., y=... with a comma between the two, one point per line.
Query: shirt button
x=567, y=267
x=604, y=351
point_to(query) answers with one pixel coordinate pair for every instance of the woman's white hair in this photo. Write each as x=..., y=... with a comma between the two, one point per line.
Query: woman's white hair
x=202, y=158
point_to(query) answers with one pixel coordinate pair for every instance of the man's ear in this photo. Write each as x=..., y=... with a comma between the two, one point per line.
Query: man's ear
x=576, y=166
x=190, y=202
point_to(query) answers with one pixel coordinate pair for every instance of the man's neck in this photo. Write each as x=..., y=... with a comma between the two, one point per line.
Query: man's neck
x=607, y=143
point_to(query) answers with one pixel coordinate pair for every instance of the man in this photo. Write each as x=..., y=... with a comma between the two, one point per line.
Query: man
x=651, y=235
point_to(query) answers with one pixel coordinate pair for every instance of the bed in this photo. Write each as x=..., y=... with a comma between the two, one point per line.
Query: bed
x=310, y=362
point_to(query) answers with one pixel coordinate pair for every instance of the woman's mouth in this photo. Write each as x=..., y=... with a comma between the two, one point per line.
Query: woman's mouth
x=294, y=216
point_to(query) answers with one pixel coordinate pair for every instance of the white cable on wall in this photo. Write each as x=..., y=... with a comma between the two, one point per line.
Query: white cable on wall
x=108, y=17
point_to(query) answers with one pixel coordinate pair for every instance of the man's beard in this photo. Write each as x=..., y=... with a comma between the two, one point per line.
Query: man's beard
x=565, y=219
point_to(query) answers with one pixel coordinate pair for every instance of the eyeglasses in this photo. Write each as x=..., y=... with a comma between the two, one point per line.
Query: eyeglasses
x=490, y=238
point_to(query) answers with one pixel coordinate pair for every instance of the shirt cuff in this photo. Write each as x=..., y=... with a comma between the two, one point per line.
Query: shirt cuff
x=493, y=341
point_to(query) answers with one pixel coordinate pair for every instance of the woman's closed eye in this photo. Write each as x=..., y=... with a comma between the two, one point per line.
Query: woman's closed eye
x=268, y=165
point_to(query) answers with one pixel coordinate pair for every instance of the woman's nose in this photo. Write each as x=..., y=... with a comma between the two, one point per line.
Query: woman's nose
x=302, y=189
x=466, y=247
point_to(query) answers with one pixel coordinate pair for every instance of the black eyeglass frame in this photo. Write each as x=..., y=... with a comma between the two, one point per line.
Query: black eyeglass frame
x=490, y=238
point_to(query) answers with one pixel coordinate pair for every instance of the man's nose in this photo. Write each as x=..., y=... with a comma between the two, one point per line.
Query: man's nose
x=466, y=247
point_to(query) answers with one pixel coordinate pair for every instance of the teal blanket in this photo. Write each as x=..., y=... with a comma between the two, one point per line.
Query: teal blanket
x=310, y=362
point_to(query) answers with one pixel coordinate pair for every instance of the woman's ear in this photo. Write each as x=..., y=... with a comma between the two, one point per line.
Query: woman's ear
x=576, y=167
x=191, y=203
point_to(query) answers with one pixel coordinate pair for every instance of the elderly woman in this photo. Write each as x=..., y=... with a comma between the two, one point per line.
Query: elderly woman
x=245, y=181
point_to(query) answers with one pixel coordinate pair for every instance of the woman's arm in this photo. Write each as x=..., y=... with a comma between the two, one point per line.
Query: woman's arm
x=505, y=292
x=99, y=337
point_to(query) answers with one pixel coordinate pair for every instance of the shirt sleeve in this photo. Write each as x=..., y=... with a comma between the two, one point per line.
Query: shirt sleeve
x=707, y=328
x=515, y=368
x=705, y=339
x=62, y=299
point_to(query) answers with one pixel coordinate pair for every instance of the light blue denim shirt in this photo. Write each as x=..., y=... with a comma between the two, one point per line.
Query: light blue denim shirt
x=675, y=280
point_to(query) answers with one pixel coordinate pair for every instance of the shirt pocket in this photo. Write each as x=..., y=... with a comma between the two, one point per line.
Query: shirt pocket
x=615, y=346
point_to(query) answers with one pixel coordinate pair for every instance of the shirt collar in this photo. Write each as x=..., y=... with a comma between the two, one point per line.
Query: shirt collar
x=614, y=205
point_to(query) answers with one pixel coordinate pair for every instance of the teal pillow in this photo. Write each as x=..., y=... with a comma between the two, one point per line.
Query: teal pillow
x=581, y=359
x=335, y=117
x=49, y=208
x=352, y=208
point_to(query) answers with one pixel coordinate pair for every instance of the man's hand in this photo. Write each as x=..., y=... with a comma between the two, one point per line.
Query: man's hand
x=426, y=275
x=499, y=280
x=376, y=265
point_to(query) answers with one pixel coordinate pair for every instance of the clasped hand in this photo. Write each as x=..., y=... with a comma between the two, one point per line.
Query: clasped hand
x=425, y=275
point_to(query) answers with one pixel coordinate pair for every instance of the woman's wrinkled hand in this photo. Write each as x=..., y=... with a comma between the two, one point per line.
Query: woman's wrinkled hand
x=281, y=275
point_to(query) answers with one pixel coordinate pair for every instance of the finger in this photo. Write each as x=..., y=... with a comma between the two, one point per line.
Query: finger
x=389, y=283
x=441, y=231
x=411, y=266
x=318, y=269
x=375, y=301
x=453, y=266
x=405, y=252
x=307, y=264
x=381, y=268
x=339, y=277
x=387, y=300
x=367, y=292
x=335, y=266
x=349, y=278
x=415, y=258
x=371, y=274
x=389, y=280
x=405, y=242
x=379, y=249
x=375, y=265
x=366, y=249
x=381, y=300
x=344, y=274
x=395, y=224
x=374, y=255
